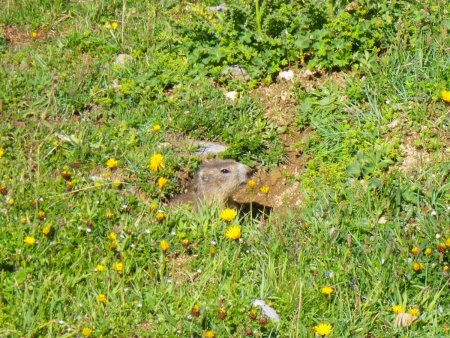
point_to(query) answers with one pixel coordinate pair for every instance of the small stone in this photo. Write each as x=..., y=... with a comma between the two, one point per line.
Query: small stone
x=123, y=59
x=231, y=95
x=286, y=75
x=382, y=220
x=219, y=8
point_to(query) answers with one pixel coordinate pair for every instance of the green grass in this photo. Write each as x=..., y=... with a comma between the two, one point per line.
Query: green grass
x=66, y=108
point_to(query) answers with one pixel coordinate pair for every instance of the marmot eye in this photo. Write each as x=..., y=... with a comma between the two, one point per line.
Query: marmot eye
x=225, y=171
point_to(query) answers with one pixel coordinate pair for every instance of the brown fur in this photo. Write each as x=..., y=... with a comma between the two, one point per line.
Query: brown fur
x=216, y=182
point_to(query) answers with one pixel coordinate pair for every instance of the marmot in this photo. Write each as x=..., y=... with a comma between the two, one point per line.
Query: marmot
x=216, y=182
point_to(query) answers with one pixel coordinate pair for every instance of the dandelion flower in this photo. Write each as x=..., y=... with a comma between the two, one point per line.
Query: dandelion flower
x=86, y=332
x=164, y=245
x=264, y=189
x=99, y=268
x=209, y=334
x=323, y=329
x=3, y=187
x=114, y=25
x=195, y=310
x=117, y=183
x=2, y=152
x=30, y=240
x=222, y=313
x=160, y=216
x=156, y=162
x=34, y=34
x=212, y=250
x=228, y=214
x=113, y=245
x=397, y=309
x=112, y=163
x=41, y=215
x=109, y=215
x=46, y=230
x=447, y=243
x=326, y=290
x=101, y=298
x=441, y=247
x=153, y=207
x=118, y=266
x=417, y=267
x=445, y=95
x=251, y=184
x=233, y=232
x=413, y=311
x=23, y=220
x=11, y=201
x=112, y=236
x=415, y=250
x=97, y=185
x=66, y=174
x=156, y=128
x=428, y=251
x=162, y=182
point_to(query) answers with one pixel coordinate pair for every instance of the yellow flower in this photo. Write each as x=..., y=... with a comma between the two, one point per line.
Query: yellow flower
x=117, y=183
x=209, y=334
x=86, y=332
x=164, y=245
x=101, y=298
x=41, y=215
x=66, y=174
x=233, y=232
x=30, y=240
x=212, y=250
x=417, y=267
x=397, y=309
x=11, y=201
x=153, y=207
x=2, y=152
x=447, y=243
x=228, y=214
x=156, y=128
x=160, y=216
x=111, y=163
x=264, y=189
x=413, y=311
x=118, y=266
x=251, y=184
x=23, y=220
x=109, y=215
x=162, y=182
x=441, y=247
x=195, y=310
x=97, y=185
x=113, y=245
x=326, y=290
x=428, y=251
x=34, y=34
x=112, y=236
x=415, y=250
x=99, y=268
x=156, y=162
x=323, y=329
x=114, y=24
x=445, y=95
x=46, y=230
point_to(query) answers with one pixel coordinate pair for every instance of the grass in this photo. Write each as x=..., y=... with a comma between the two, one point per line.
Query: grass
x=66, y=107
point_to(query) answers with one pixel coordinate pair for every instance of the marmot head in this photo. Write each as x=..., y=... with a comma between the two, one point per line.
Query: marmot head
x=217, y=181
